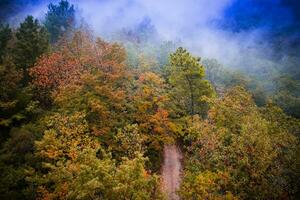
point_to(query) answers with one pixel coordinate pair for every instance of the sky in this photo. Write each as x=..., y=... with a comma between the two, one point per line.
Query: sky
x=236, y=32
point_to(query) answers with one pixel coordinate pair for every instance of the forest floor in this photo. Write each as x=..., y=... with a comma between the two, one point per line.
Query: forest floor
x=171, y=171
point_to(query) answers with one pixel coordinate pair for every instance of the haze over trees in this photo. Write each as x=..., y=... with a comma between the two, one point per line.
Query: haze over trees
x=86, y=118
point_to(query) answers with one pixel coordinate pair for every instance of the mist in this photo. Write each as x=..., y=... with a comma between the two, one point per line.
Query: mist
x=239, y=34
x=207, y=28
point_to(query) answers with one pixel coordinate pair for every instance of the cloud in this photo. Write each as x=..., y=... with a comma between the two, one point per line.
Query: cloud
x=172, y=18
x=230, y=30
x=236, y=32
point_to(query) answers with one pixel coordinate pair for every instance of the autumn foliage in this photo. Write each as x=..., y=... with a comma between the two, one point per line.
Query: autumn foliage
x=84, y=118
x=54, y=70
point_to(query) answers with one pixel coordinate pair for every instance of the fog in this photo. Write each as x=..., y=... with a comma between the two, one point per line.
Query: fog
x=237, y=34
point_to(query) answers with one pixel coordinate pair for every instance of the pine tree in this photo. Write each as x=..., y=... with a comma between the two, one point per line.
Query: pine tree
x=186, y=77
x=59, y=19
x=32, y=42
x=5, y=36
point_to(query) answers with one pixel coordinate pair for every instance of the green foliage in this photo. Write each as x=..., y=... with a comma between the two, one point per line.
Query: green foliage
x=223, y=78
x=76, y=166
x=16, y=156
x=206, y=185
x=188, y=86
x=236, y=139
x=9, y=87
x=13, y=98
x=109, y=112
x=5, y=36
x=32, y=42
x=287, y=95
x=280, y=121
x=59, y=19
x=17, y=55
x=129, y=141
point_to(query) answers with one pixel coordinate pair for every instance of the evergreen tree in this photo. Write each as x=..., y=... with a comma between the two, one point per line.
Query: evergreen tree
x=287, y=95
x=59, y=19
x=5, y=36
x=186, y=77
x=9, y=97
x=32, y=42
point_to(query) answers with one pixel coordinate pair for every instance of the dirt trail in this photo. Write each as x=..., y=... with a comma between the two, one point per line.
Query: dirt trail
x=171, y=171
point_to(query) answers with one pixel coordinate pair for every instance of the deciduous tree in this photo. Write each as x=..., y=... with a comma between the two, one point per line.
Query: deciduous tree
x=237, y=140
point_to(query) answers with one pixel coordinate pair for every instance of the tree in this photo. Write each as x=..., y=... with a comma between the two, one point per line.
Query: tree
x=206, y=185
x=9, y=86
x=287, y=95
x=86, y=75
x=142, y=33
x=32, y=42
x=75, y=57
x=14, y=100
x=255, y=155
x=188, y=86
x=17, y=154
x=151, y=113
x=5, y=36
x=59, y=19
x=130, y=142
x=55, y=70
x=76, y=166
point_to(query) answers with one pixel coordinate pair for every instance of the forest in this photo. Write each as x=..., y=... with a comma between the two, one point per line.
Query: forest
x=133, y=116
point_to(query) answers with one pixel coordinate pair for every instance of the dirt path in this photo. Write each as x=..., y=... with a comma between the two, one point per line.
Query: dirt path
x=171, y=170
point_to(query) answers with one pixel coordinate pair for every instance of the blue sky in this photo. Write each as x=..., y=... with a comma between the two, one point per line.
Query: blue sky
x=275, y=15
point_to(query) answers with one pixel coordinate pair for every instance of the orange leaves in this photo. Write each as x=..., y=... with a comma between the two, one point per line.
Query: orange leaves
x=152, y=114
x=73, y=59
x=54, y=70
x=160, y=121
x=151, y=78
x=43, y=193
x=111, y=59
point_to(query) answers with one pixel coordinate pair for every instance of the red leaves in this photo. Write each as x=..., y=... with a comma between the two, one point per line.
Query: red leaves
x=54, y=70
x=77, y=57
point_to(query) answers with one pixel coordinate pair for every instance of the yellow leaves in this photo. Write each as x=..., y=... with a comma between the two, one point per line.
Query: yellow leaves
x=74, y=167
x=51, y=154
x=144, y=107
x=98, y=106
x=150, y=78
x=206, y=185
x=43, y=194
x=66, y=136
x=151, y=113
x=49, y=147
x=68, y=125
x=147, y=91
x=72, y=154
x=236, y=137
x=63, y=191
